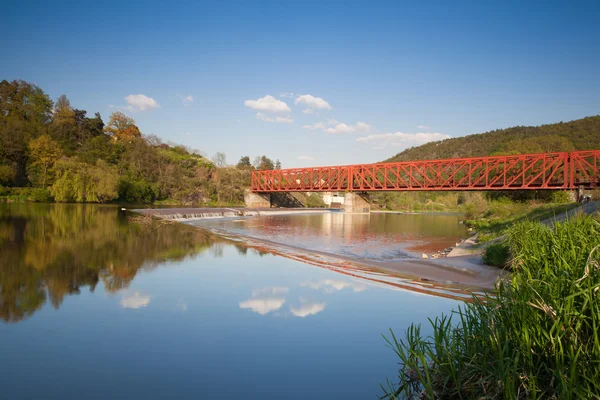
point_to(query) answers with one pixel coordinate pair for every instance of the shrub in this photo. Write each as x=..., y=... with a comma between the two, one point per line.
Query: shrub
x=496, y=255
x=537, y=337
x=315, y=201
x=39, y=195
x=561, y=196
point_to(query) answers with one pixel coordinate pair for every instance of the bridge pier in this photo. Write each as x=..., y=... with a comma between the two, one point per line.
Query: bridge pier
x=357, y=203
x=257, y=200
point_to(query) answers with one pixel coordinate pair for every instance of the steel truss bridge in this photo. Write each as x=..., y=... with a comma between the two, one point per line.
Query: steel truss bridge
x=516, y=172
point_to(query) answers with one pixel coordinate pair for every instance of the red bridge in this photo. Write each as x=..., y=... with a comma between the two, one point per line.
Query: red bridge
x=518, y=172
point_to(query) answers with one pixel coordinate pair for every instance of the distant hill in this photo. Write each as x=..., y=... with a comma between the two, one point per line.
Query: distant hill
x=580, y=134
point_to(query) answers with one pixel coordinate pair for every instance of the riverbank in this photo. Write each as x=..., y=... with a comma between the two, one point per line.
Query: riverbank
x=536, y=337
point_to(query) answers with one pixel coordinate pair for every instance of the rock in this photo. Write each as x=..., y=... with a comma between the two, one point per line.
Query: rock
x=424, y=255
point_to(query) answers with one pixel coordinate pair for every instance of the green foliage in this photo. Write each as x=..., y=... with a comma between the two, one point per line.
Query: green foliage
x=136, y=192
x=473, y=204
x=43, y=154
x=537, y=337
x=561, y=197
x=80, y=182
x=580, y=134
x=7, y=174
x=315, y=201
x=496, y=255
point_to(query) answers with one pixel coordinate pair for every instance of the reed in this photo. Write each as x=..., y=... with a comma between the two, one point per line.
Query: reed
x=537, y=337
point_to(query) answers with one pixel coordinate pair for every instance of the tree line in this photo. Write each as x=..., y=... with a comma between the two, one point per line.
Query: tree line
x=51, y=151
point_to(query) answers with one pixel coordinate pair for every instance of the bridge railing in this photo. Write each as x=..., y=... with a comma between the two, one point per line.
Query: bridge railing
x=560, y=170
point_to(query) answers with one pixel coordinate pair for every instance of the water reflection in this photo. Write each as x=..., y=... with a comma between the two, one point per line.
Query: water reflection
x=379, y=237
x=220, y=319
x=50, y=251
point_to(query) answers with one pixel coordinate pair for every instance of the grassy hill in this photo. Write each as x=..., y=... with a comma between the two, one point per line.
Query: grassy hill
x=580, y=134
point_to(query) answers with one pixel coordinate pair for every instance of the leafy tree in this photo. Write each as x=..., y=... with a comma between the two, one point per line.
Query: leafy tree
x=43, y=154
x=7, y=174
x=277, y=164
x=81, y=182
x=122, y=128
x=263, y=163
x=244, y=163
x=24, y=112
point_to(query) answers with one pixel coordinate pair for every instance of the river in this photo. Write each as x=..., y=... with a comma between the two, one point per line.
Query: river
x=95, y=306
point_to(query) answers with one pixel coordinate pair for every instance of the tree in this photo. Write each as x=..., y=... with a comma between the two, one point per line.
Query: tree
x=263, y=163
x=220, y=160
x=24, y=112
x=81, y=182
x=122, y=128
x=277, y=164
x=62, y=104
x=244, y=163
x=43, y=154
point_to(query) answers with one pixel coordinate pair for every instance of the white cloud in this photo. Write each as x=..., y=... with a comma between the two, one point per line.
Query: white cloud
x=318, y=125
x=341, y=129
x=313, y=102
x=265, y=300
x=307, y=308
x=332, y=121
x=288, y=95
x=308, y=111
x=140, y=102
x=422, y=127
x=362, y=127
x=188, y=100
x=402, y=140
x=268, y=104
x=263, y=117
x=135, y=300
x=270, y=290
x=331, y=285
x=263, y=306
x=305, y=158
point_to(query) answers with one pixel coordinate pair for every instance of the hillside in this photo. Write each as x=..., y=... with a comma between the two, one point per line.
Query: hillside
x=580, y=134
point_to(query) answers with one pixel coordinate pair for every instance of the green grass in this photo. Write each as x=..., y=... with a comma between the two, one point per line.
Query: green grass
x=502, y=215
x=496, y=254
x=537, y=337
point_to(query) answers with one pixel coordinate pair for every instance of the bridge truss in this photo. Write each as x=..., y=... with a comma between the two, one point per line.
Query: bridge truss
x=517, y=172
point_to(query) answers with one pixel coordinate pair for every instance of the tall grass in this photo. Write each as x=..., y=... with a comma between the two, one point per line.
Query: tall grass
x=537, y=337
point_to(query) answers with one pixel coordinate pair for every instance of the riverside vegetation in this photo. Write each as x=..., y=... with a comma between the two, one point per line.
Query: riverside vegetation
x=50, y=151
x=537, y=337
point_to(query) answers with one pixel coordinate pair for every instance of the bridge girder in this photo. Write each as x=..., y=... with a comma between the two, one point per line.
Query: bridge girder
x=562, y=170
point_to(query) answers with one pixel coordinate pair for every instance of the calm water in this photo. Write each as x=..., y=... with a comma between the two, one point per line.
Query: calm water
x=96, y=307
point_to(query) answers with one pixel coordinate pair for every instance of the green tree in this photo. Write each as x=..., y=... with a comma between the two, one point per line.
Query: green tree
x=24, y=112
x=277, y=164
x=244, y=163
x=81, y=182
x=43, y=154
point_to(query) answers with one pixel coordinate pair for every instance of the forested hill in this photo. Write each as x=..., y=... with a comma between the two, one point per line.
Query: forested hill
x=580, y=134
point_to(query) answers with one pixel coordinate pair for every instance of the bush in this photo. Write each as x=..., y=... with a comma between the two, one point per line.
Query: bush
x=315, y=201
x=496, y=255
x=39, y=195
x=537, y=337
x=561, y=197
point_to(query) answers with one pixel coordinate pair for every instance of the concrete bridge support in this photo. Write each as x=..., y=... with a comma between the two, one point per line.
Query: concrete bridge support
x=357, y=203
x=257, y=200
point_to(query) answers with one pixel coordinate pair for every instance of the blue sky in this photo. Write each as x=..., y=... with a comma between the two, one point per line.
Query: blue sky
x=375, y=76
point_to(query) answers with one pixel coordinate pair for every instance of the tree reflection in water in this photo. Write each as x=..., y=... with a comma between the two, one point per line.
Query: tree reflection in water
x=50, y=251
